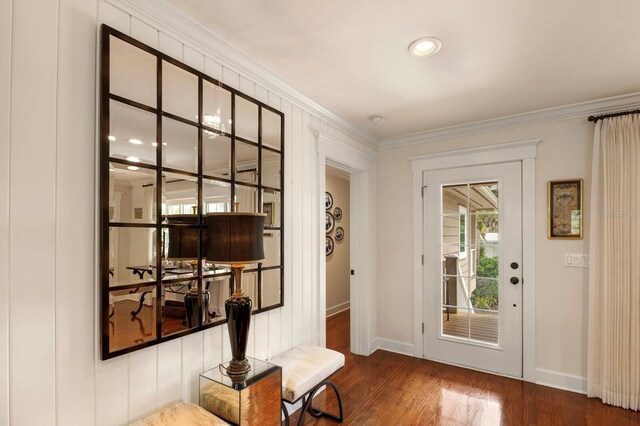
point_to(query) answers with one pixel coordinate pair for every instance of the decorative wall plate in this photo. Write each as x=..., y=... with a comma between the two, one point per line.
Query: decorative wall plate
x=337, y=213
x=329, y=247
x=329, y=222
x=328, y=200
x=339, y=233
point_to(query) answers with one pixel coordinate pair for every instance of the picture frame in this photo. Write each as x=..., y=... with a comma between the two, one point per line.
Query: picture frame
x=267, y=208
x=329, y=246
x=329, y=223
x=328, y=200
x=565, y=214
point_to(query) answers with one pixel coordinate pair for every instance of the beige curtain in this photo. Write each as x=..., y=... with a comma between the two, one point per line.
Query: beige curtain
x=614, y=277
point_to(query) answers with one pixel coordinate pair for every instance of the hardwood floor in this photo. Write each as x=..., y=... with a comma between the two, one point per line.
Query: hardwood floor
x=391, y=389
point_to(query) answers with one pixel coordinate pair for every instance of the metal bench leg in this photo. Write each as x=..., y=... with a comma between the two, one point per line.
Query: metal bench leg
x=286, y=413
x=308, y=404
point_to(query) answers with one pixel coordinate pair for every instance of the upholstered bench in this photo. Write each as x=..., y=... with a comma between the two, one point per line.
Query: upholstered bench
x=305, y=370
x=181, y=414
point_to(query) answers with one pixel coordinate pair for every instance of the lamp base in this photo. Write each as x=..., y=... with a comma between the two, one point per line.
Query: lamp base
x=238, y=310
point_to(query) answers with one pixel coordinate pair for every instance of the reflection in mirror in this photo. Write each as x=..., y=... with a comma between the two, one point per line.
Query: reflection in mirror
x=246, y=163
x=271, y=207
x=132, y=194
x=131, y=255
x=216, y=153
x=132, y=134
x=270, y=169
x=246, y=119
x=250, y=286
x=219, y=288
x=179, y=306
x=179, y=194
x=454, y=197
x=216, y=196
x=246, y=199
x=179, y=145
x=271, y=125
x=132, y=317
x=180, y=247
x=132, y=72
x=216, y=107
x=270, y=287
x=271, y=248
x=179, y=92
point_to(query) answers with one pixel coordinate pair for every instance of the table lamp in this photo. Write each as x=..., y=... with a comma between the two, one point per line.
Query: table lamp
x=236, y=239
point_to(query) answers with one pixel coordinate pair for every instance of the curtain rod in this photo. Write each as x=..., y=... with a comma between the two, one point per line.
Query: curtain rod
x=595, y=118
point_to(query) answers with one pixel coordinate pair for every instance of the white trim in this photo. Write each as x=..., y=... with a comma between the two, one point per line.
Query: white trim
x=361, y=168
x=172, y=21
x=335, y=310
x=555, y=379
x=394, y=346
x=491, y=154
x=583, y=109
x=524, y=151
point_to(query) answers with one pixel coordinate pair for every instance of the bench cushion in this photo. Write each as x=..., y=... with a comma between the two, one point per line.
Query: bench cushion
x=304, y=367
x=181, y=414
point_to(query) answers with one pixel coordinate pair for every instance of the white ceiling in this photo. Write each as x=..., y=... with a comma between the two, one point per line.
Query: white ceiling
x=499, y=57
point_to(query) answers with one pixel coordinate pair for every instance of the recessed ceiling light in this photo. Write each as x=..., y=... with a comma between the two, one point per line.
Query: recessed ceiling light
x=135, y=141
x=111, y=138
x=133, y=168
x=425, y=46
x=154, y=144
x=133, y=159
x=377, y=119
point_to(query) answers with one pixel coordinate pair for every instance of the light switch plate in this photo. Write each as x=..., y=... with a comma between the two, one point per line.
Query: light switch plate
x=576, y=260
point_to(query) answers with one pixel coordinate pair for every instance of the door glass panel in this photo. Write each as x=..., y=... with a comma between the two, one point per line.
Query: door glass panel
x=455, y=322
x=470, y=274
x=483, y=326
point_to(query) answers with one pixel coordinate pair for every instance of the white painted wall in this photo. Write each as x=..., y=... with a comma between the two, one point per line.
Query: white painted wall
x=338, y=265
x=561, y=293
x=50, y=371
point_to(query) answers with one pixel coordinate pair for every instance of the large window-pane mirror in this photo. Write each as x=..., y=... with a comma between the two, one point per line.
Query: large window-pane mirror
x=170, y=154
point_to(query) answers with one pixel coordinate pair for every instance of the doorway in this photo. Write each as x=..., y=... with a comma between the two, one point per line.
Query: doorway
x=338, y=265
x=472, y=271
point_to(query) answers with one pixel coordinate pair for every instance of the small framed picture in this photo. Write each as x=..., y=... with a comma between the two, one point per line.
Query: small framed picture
x=329, y=222
x=329, y=246
x=337, y=212
x=564, y=209
x=339, y=233
x=328, y=200
x=267, y=208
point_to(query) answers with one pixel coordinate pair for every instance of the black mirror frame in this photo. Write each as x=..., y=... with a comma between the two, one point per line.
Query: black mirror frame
x=104, y=146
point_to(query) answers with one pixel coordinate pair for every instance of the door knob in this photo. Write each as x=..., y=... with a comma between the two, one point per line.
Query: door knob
x=514, y=265
x=514, y=280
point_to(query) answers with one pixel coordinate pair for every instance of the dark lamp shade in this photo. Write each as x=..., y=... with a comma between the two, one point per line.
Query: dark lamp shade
x=235, y=238
x=182, y=241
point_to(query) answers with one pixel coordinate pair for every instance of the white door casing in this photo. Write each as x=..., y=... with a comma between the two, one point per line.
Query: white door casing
x=505, y=355
x=524, y=151
x=361, y=169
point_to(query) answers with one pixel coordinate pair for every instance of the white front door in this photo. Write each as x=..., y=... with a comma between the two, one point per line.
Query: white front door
x=473, y=267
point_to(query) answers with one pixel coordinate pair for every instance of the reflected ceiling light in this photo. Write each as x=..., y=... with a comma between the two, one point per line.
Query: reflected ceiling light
x=133, y=168
x=111, y=138
x=136, y=141
x=154, y=144
x=133, y=159
x=425, y=46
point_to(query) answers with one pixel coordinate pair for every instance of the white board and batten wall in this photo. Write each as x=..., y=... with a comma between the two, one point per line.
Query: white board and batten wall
x=50, y=371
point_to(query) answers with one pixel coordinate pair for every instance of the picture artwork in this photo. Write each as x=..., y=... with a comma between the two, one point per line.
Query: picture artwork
x=337, y=213
x=329, y=246
x=339, y=233
x=329, y=223
x=328, y=200
x=565, y=209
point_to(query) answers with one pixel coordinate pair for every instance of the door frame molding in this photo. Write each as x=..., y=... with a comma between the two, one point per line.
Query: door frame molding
x=524, y=151
x=360, y=167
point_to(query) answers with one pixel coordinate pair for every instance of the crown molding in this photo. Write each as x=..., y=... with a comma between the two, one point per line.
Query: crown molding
x=178, y=25
x=595, y=107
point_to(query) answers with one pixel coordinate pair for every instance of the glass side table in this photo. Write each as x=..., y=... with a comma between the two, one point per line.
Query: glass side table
x=255, y=401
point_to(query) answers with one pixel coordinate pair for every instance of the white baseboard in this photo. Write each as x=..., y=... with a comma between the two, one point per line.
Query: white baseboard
x=337, y=309
x=558, y=380
x=392, y=346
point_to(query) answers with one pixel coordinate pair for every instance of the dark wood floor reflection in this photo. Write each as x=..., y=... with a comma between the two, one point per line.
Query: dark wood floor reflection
x=391, y=389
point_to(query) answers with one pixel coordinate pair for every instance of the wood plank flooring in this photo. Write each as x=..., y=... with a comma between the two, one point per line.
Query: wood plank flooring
x=391, y=389
x=480, y=326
